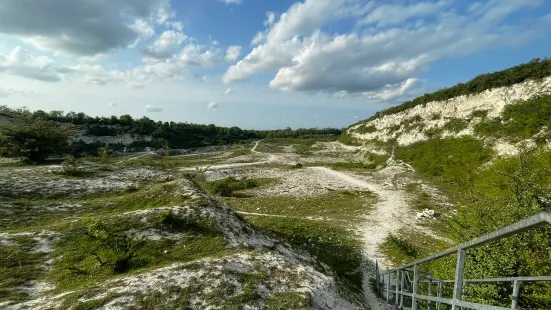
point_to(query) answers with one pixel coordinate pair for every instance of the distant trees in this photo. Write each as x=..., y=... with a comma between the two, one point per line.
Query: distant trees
x=34, y=138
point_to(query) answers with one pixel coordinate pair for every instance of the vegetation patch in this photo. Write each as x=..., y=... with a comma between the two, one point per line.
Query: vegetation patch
x=521, y=121
x=454, y=160
x=226, y=187
x=456, y=125
x=98, y=248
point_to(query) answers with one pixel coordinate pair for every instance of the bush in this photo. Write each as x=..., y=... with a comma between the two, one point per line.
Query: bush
x=104, y=152
x=70, y=166
x=116, y=249
x=227, y=186
x=297, y=166
x=34, y=138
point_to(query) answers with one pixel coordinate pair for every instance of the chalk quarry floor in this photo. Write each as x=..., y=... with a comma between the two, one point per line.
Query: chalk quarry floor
x=391, y=213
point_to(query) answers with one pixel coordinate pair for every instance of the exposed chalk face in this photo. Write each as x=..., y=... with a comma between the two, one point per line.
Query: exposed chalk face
x=435, y=115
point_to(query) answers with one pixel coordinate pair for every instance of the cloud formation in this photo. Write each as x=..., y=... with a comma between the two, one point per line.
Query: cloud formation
x=380, y=57
x=152, y=108
x=84, y=27
x=212, y=106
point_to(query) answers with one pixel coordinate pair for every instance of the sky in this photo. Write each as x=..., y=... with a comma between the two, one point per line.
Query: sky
x=256, y=64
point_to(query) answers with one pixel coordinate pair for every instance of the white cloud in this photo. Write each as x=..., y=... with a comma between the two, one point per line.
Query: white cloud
x=165, y=45
x=20, y=62
x=212, y=106
x=232, y=53
x=151, y=108
x=367, y=60
x=390, y=14
x=228, y=91
x=231, y=1
x=393, y=92
x=178, y=26
x=355, y=117
x=270, y=18
x=340, y=94
x=85, y=27
x=112, y=104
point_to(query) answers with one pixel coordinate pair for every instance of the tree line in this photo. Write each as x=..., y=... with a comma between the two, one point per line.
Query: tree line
x=23, y=127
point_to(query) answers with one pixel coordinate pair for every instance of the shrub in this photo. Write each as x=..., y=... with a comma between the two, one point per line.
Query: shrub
x=116, y=249
x=70, y=166
x=297, y=166
x=34, y=138
x=104, y=152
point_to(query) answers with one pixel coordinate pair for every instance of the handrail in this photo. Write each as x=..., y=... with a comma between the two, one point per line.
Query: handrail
x=529, y=223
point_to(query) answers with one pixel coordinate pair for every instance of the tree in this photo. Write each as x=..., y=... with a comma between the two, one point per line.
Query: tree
x=34, y=138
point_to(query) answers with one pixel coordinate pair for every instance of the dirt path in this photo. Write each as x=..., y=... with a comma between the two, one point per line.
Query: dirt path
x=387, y=217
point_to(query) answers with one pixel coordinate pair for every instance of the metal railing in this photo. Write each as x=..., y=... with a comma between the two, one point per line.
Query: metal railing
x=396, y=284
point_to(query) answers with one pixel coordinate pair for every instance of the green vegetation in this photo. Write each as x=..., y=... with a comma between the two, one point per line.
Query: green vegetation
x=456, y=125
x=34, y=139
x=533, y=70
x=19, y=265
x=97, y=248
x=366, y=129
x=226, y=187
x=531, y=118
x=453, y=160
x=349, y=140
x=489, y=198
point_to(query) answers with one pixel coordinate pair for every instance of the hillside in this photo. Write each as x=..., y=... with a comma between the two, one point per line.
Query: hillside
x=486, y=146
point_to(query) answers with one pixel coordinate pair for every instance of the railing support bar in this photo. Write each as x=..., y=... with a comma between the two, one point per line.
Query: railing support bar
x=439, y=294
x=516, y=292
x=459, y=270
x=415, y=287
x=397, y=288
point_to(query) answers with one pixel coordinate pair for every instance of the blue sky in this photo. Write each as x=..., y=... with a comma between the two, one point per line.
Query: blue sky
x=255, y=64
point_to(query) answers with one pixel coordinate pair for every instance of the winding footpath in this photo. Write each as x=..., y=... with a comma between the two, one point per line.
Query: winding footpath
x=387, y=217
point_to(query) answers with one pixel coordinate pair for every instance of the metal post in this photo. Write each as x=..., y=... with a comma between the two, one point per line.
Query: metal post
x=376, y=275
x=459, y=270
x=388, y=288
x=415, y=286
x=516, y=292
x=430, y=293
x=402, y=284
x=439, y=294
x=397, y=288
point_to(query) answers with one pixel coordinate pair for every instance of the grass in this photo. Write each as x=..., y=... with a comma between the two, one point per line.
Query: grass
x=85, y=259
x=408, y=245
x=17, y=266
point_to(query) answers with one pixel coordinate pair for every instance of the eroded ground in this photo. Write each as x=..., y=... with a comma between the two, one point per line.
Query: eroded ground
x=144, y=231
